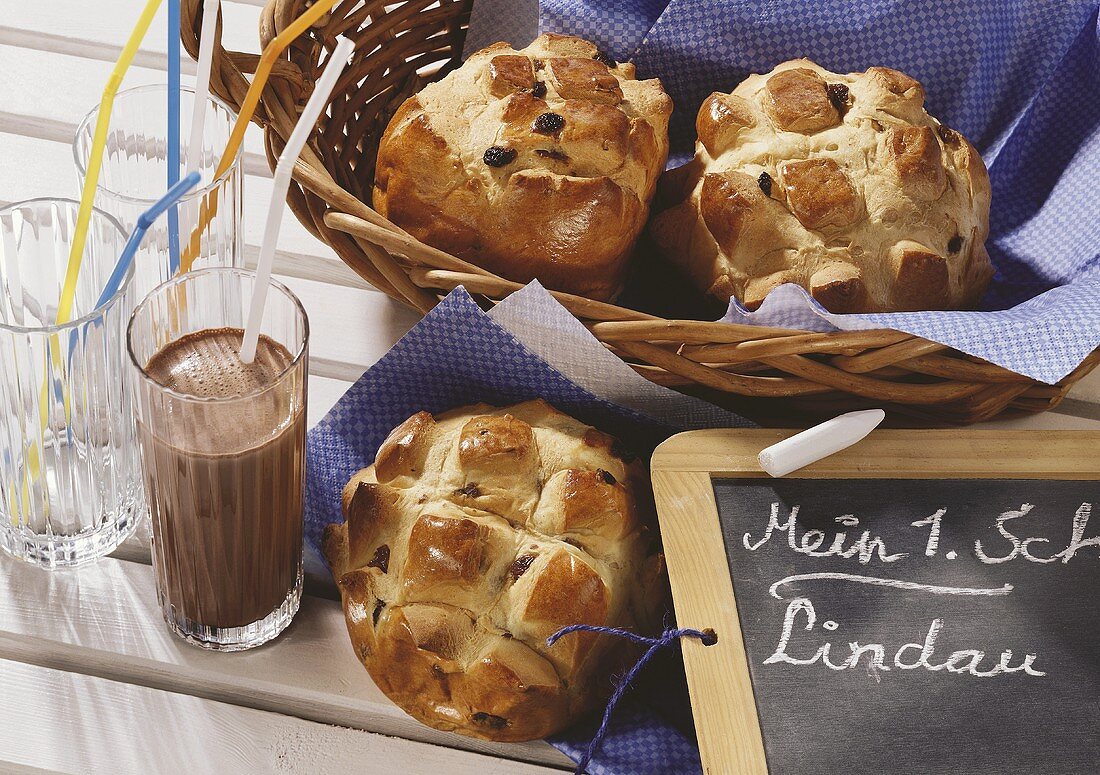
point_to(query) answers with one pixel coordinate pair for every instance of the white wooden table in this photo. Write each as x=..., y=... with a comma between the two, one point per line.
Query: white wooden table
x=90, y=679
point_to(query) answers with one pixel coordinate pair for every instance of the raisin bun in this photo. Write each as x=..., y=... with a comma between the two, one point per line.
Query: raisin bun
x=476, y=535
x=539, y=163
x=842, y=184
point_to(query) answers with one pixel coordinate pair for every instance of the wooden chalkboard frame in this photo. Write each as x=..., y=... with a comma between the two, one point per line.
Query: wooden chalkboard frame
x=683, y=467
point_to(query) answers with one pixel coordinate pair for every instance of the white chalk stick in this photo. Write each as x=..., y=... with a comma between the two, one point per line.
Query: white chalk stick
x=819, y=441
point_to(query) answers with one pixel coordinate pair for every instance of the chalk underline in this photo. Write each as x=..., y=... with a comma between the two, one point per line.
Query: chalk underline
x=895, y=583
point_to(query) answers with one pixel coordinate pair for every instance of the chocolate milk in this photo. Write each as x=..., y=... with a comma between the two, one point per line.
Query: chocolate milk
x=224, y=480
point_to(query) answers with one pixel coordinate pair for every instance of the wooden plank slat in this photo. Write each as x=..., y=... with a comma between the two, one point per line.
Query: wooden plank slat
x=34, y=167
x=23, y=769
x=350, y=329
x=75, y=84
x=324, y=392
x=902, y=454
x=1087, y=389
x=82, y=28
x=104, y=621
x=47, y=147
x=73, y=723
x=730, y=739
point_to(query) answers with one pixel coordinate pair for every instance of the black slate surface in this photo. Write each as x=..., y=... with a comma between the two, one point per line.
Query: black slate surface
x=871, y=716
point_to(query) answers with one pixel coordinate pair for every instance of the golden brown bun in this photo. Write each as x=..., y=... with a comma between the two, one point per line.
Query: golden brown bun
x=475, y=536
x=569, y=205
x=842, y=184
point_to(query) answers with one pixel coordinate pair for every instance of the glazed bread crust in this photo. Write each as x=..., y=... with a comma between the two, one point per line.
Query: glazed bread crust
x=539, y=163
x=842, y=184
x=475, y=536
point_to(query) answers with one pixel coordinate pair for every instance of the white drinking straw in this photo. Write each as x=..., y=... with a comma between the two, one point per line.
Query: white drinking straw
x=202, y=83
x=283, y=171
x=819, y=441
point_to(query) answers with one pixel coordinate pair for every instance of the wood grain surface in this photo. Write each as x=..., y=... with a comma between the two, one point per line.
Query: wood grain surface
x=722, y=699
x=65, y=722
x=104, y=620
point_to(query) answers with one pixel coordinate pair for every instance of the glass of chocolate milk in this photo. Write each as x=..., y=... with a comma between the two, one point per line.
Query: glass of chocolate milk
x=223, y=455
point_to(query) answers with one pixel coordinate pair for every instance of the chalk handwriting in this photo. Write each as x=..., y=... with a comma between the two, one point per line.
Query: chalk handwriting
x=933, y=523
x=810, y=542
x=896, y=583
x=910, y=656
x=1021, y=547
x=1080, y=522
x=804, y=642
x=865, y=546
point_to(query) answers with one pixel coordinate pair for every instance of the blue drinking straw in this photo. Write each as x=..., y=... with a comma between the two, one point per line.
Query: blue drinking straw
x=173, y=130
x=144, y=221
x=129, y=250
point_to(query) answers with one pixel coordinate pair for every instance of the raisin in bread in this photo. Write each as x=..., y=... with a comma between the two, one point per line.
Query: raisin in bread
x=840, y=183
x=538, y=163
x=476, y=535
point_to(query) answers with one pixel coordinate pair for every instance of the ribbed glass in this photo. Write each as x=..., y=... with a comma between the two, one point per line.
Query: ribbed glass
x=134, y=175
x=224, y=471
x=70, y=488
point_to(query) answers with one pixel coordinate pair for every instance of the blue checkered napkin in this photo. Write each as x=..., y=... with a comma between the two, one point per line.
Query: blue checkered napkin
x=457, y=355
x=1020, y=78
x=651, y=732
x=617, y=27
x=981, y=62
x=511, y=21
x=1043, y=338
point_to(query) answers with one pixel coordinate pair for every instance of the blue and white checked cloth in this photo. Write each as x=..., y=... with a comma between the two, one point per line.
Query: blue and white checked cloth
x=460, y=355
x=1020, y=78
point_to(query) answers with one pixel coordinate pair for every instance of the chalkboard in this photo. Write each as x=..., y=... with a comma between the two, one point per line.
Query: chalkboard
x=893, y=616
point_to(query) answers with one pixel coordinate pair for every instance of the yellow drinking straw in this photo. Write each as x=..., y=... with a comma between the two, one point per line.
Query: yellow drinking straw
x=83, y=219
x=95, y=160
x=271, y=53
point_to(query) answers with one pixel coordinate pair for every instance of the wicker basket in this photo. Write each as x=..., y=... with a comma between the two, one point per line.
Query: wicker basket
x=771, y=374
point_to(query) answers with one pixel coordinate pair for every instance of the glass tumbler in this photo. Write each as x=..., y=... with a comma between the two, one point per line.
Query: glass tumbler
x=134, y=175
x=223, y=455
x=70, y=486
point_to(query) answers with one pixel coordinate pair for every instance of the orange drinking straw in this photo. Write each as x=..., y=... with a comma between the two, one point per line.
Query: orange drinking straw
x=271, y=53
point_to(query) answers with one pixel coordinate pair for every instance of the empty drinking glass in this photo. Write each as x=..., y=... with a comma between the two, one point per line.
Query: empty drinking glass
x=134, y=175
x=70, y=488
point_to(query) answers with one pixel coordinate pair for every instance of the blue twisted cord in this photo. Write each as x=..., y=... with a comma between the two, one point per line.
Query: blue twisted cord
x=667, y=638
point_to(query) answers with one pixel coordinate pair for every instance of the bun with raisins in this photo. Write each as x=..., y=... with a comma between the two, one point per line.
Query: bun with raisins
x=842, y=184
x=538, y=163
x=476, y=535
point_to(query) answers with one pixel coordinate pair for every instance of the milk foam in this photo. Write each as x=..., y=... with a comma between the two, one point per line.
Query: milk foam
x=207, y=364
